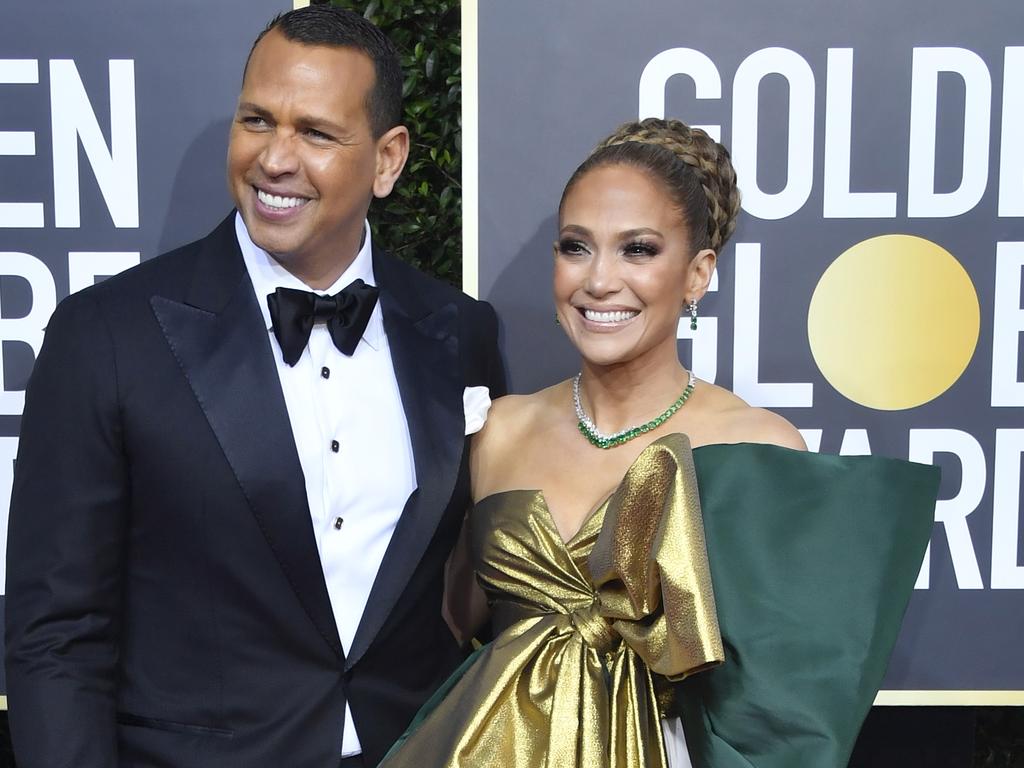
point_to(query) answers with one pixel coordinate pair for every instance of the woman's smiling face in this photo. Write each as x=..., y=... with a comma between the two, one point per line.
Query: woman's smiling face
x=623, y=267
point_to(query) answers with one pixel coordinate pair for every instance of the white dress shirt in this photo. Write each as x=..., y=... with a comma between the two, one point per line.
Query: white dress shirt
x=352, y=439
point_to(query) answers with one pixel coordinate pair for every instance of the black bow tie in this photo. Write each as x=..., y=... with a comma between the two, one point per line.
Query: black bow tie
x=293, y=314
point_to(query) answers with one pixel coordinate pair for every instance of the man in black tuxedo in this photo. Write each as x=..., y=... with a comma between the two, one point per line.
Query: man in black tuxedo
x=234, y=499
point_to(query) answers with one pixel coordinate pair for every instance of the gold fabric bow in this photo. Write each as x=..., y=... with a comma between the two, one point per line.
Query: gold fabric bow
x=582, y=627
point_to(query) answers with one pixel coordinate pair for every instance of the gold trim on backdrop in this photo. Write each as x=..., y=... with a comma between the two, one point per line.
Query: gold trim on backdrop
x=950, y=699
x=470, y=152
x=3, y=703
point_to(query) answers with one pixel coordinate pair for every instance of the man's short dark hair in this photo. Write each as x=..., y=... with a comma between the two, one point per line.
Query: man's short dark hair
x=327, y=25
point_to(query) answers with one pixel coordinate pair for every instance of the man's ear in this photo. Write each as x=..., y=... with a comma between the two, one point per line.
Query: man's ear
x=392, y=152
x=698, y=275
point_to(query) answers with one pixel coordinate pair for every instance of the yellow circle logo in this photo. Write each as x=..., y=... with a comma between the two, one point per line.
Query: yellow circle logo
x=893, y=322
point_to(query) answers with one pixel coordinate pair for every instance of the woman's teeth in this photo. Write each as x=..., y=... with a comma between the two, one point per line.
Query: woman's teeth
x=276, y=201
x=608, y=317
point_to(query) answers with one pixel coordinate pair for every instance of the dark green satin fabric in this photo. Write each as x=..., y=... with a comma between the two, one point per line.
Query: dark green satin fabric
x=813, y=559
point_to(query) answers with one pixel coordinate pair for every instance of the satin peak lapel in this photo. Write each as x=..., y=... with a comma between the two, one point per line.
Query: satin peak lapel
x=425, y=355
x=220, y=342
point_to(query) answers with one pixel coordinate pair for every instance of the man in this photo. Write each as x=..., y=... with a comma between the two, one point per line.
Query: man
x=227, y=541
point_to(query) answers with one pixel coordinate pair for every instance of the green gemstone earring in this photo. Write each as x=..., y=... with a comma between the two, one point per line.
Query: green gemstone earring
x=693, y=314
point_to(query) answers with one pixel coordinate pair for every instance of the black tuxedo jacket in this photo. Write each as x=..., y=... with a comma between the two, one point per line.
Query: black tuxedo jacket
x=165, y=600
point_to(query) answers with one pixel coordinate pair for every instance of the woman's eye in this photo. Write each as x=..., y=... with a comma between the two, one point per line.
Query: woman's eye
x=640, y=248
x=571, y=247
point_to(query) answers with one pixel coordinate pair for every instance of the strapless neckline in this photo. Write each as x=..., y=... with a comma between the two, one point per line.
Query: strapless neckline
x=537, y=494
x=630, y=468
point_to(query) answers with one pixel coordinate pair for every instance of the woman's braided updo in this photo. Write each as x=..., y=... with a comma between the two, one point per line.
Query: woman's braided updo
x=695, y=169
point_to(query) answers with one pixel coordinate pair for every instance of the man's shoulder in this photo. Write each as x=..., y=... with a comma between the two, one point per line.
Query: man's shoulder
x=168, y=274
x=392, y=272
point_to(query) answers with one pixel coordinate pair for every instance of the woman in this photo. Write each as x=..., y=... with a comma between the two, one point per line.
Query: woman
x=588, y=534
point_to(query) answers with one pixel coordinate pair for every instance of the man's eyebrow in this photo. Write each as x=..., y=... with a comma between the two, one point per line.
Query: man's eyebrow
x=248, y=106
x=311, y=121
x=308, y=121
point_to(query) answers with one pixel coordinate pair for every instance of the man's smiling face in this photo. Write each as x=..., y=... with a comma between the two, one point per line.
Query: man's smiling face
x=302, y=158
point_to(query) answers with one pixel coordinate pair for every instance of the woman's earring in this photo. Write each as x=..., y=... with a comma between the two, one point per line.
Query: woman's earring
x=693, y=314
x=557, y=321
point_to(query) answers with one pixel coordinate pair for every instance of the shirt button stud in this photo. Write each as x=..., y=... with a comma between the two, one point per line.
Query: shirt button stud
x=325, y=372
x=338, y=523
x=335, y=446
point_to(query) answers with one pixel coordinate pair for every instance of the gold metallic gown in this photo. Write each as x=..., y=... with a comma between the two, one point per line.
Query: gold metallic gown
x=813, y=557
x=585, y=627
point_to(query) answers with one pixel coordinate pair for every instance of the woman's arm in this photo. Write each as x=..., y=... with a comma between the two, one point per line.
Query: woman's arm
x=465, y=605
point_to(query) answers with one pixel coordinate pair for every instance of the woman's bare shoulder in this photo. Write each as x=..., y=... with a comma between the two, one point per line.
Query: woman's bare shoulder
x=513, y=422
x=732, y=420
x=511, y=415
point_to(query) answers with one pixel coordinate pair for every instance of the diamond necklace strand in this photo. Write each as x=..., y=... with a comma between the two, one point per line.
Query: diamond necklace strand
x=599, y=439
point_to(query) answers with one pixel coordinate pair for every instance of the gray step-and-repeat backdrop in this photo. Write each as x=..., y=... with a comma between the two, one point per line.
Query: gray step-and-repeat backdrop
x=872, y=295
x=873, y=291
x=113, y=132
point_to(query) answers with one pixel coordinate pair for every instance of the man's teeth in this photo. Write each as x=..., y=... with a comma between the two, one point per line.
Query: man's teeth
x=276, y=201
x=608, y=317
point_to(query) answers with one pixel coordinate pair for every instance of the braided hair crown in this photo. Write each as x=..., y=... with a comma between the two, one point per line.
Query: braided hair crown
x=694, y=168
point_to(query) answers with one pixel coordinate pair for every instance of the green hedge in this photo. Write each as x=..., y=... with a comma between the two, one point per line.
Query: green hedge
x=421, y=221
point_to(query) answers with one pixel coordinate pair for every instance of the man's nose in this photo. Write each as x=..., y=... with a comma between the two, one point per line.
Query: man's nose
x=279, y=156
